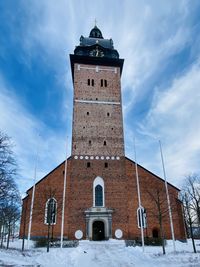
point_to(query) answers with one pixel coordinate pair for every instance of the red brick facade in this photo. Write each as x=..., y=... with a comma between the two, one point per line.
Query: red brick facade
x=98, y=159
x=120, y=195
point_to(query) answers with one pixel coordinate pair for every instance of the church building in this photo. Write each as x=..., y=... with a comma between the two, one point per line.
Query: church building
x=101, y=197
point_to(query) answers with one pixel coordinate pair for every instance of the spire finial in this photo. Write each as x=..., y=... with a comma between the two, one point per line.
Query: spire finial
x=95, y=22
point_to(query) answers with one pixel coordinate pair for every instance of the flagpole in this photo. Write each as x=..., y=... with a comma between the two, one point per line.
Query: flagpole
x=168, y=199
x=33, y=197
x=63, y=204
x=139, y=198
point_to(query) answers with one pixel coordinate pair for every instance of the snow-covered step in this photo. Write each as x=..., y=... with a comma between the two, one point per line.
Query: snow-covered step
x=109, y=243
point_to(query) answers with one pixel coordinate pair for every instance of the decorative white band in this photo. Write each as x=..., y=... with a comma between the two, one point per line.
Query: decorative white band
x=97, y=102
x=97, y=68
x=98, y=157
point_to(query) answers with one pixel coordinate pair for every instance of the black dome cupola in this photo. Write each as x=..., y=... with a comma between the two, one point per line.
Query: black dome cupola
x=96, y=33
x=96, y=46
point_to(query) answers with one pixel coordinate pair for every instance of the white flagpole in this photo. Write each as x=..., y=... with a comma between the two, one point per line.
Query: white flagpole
x=33, y=197
x=63, y=204
x=139, y=198
x=168, y=199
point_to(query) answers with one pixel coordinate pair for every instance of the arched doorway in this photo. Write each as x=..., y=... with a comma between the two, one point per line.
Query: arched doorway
x=98, y=231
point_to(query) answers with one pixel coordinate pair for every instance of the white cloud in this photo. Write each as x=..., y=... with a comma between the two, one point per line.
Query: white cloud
x=174, y=118
x=29, y=134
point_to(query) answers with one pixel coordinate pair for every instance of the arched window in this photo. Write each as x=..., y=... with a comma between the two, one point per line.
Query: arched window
x=98, y=196
x=142, y=217
x=50, y=211
x=98, y=192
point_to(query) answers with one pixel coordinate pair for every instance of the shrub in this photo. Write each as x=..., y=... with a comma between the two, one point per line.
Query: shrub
x=41, y=242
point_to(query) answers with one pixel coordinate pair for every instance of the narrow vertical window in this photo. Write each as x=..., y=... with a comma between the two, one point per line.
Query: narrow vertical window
x=108, y=114
x=98, y=192
x=90, y=142
x=88, y=165
x=88, y=113
x=50, y=211
x=101, y=82
x=106, y=165
x=104, y=143
x=88, y=81
x=141, y=217
x=105, y=83
x=92, y=82
x=98, y=196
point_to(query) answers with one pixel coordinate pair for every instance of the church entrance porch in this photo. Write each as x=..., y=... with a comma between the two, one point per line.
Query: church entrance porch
x=98, y=223
x=98, y=231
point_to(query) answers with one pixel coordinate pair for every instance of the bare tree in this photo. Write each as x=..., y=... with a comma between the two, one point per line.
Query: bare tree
x=7, y=165
x=10, y=214
x=158, y=198
x=192, y=189
x=9, y=194
x=189, y=219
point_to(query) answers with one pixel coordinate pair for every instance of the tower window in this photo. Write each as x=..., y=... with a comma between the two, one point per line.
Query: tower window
x=106, y=165
x=88, y=81
x=90, y=142
x=104, y=143
x=104, y=83
x=88, y=113
x=108, y=114
x=92, y=82
x=88, y=165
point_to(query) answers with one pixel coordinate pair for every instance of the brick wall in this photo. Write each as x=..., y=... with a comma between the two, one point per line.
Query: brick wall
x=120, y=195
x=96, y=122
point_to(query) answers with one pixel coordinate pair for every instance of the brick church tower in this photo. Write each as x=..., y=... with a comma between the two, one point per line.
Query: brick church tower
x=98, y=173
x=101, y=199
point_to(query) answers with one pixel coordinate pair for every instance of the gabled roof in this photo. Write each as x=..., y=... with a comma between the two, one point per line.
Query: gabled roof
x=125, y=157
x=153, y=174
x=47, y=175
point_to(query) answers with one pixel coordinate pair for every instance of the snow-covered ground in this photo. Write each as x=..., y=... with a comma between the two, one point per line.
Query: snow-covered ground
x=112, y=253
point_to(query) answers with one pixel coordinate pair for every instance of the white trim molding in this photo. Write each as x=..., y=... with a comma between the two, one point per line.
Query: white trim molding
x=98, y=181
x=97, y=102
x=97, y=68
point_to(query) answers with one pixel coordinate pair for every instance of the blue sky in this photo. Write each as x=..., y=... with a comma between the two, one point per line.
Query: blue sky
x=159, y=41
